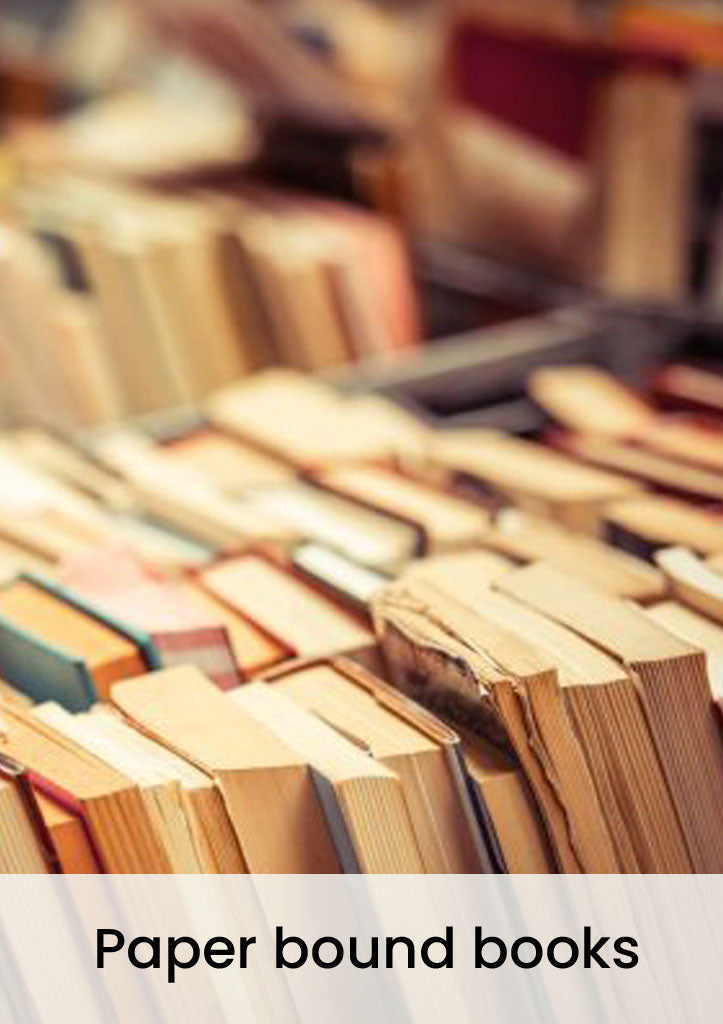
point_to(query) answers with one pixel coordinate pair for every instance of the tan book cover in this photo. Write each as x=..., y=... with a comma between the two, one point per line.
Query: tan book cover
x=532, y=539
x=299, y=617
x=674, y=686
x=652, y=521
x=364, y=801
x=110, y=804
x=266, y=786
x=435, y=643
x=537, y=478
x=422, y=751
x=305, y=422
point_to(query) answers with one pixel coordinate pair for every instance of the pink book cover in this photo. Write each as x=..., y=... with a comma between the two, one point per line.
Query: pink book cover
x=122, y=586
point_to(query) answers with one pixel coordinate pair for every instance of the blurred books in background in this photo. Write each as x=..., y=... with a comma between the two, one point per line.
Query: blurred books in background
x=235, y=188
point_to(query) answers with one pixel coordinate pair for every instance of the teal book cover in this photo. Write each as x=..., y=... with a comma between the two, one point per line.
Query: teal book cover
x=139, y=637
x=47, y=672
x=42, y=671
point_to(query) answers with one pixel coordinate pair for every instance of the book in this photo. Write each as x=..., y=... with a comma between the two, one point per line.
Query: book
x=27, y=846
x=224, y=462
x=508, y=807
x=317, y=282
x=111, y=136
x=363, y=800
x=487, y=676
x=255, y=771
x=373, y=537
x=446, y=521
x=150, y=374
x=527, y=474
x=690, y=388
x=212, y=835
x=301, y=619
x=645, y=159
x=692, y=582
x=589, y=400
x=379, y=267
x=697, y=629
x=661, y=471
x=181, y=630
x=108, y=803
x=83, y=369
x=462, y=575
x=306, y=423
x=593, y=699
x=180, y=497
x=161, y=796
x=483, y=183
x=67, y=463
x=48, y=517
x=674, y=686
x=525, y=539
x=55, y=647
x=180, y=271
x=156, y=266
x=419, y=748
x=254, y=650
x=642, y=525
x=601, y=700
x=69, y=838
x=43, y=517
x=267, y=276
x=159, y=544
x=258, y=55
x=343, y=579
x=296, y=277
x=53, y=372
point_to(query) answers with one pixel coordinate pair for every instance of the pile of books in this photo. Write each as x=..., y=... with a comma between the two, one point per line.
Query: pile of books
x=304, y=632
x=118, y=300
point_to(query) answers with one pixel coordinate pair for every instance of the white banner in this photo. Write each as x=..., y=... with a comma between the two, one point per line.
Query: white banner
x=353, y=948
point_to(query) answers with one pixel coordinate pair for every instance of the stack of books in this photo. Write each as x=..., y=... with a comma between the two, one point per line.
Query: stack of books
x=302, y=631
x=120, y=300
x=253, y=623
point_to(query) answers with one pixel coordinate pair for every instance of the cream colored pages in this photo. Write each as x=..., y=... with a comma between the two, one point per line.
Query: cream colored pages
x=447, y=521
x=463, y=576
x=692, y=581
x=587, y=398
x=675, y=687
x=266, y=785
x=308, y=423
x=696, y=629
x=664, y=521
x=531, y=539
x=516, y=465
x=283, y=606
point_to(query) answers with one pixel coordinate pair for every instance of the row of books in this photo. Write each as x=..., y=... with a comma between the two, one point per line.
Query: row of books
x=305, y=632
x=118, y=301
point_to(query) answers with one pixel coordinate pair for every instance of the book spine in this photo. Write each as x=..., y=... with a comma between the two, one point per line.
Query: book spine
x=15, y=773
